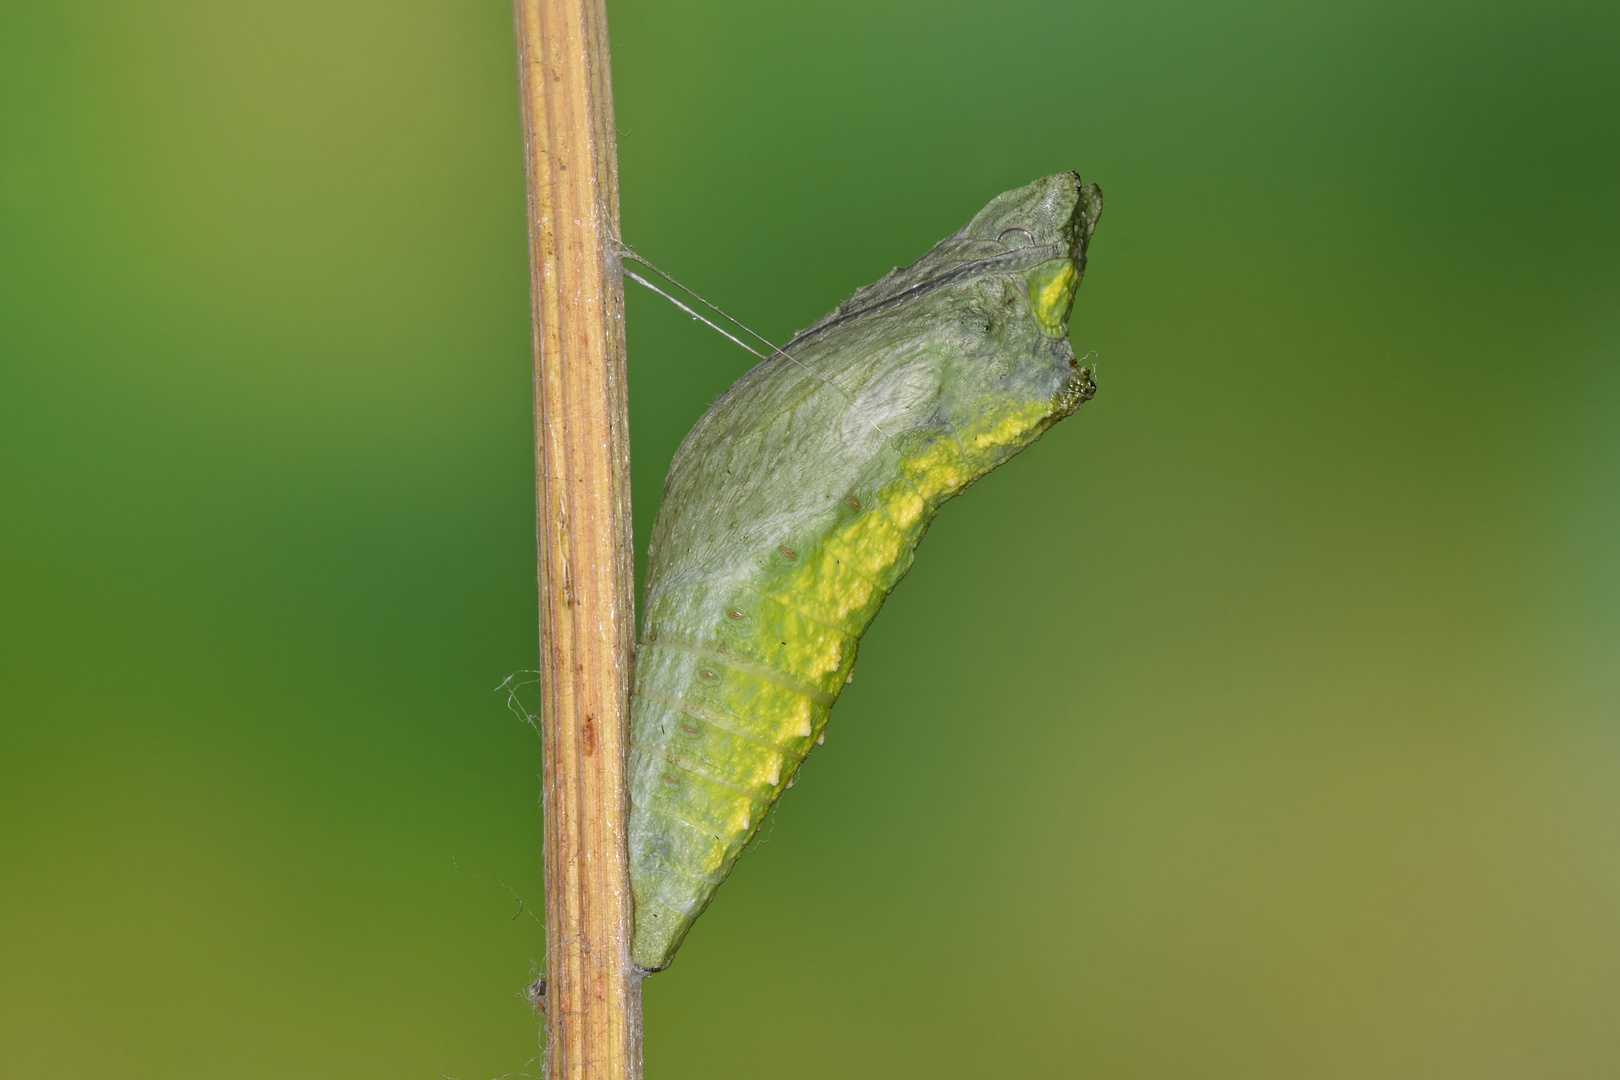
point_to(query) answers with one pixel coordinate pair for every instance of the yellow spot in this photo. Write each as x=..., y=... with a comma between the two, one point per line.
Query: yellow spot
x=1052, y=287
x=744, y=697
x=936, y=469
x=742, y=819
x=828, y=590
x=903, y=506
x=1011, y=428
x=870, y=544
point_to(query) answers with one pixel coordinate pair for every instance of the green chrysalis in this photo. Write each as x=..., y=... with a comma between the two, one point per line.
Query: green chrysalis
x=793, y=507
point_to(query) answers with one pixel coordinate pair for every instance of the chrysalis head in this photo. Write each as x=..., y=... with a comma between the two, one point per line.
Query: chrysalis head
x=1021, y=375
x=1054, y=218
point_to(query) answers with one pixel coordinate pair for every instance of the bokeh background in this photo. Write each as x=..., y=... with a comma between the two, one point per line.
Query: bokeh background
x=1261, y=721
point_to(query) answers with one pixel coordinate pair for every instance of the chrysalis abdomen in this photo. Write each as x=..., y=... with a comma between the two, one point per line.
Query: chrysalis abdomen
x=794, y=506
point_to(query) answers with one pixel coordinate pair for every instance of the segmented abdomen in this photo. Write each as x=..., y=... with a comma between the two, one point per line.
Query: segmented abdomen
x=735, y=678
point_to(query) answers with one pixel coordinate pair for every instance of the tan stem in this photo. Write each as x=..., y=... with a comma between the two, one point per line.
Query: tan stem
x=582, y=493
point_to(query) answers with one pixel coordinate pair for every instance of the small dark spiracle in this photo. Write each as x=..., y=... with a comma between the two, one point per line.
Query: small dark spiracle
x=836, y=452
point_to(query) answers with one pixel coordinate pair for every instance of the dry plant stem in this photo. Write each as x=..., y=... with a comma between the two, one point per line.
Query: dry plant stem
x=593, y=995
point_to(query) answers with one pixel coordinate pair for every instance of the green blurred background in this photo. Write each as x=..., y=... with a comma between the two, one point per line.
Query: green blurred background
x=1261, y=721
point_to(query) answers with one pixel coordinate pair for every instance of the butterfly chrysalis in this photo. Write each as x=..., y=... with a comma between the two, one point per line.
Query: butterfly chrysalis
x=794, y=506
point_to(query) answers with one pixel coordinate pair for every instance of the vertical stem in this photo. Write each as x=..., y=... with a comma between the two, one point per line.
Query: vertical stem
x=587, y=622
